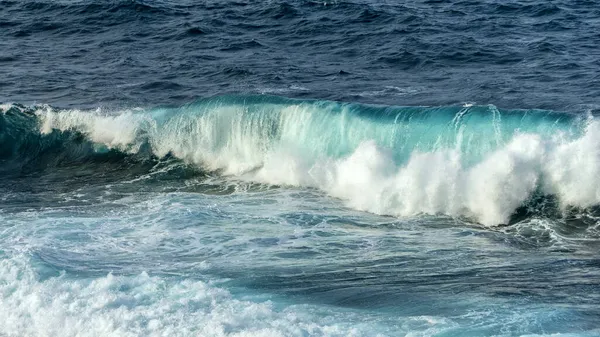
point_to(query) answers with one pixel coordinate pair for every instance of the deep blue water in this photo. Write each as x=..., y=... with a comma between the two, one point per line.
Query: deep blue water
x=299, y=168
x=516, y=54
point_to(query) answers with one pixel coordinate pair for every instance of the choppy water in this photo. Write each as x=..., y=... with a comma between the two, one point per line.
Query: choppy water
x=299, y=168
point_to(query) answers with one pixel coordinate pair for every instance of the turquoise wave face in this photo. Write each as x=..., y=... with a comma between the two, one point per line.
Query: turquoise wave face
x=318, y=128
x=332, y=129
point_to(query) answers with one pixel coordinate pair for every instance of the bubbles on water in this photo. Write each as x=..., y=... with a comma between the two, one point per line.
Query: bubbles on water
x=144, y=305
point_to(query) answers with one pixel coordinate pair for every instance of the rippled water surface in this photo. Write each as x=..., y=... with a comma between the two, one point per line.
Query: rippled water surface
x=299, y=168
x=518, y=54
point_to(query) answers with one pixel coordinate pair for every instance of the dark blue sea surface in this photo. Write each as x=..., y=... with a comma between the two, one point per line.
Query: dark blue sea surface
x=516, y=54
x=299, y=168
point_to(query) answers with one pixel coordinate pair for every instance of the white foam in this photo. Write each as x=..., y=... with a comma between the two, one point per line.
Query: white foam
x=142, y=305
x=114, y=131
x=572, y=169
x=4, y=107
x=437, y=183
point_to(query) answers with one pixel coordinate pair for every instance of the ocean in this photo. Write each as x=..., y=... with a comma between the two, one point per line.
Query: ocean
x=299, y=168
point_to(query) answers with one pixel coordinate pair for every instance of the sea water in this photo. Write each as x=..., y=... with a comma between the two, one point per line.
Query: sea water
x=299, y=168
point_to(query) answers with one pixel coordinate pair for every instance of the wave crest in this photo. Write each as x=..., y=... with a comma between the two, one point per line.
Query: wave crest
x=474, y=161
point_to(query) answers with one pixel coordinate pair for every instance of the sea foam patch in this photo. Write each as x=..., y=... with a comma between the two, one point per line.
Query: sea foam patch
x=145, y=305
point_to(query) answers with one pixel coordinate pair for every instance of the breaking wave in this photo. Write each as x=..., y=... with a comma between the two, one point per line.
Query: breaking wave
x=478, y=162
